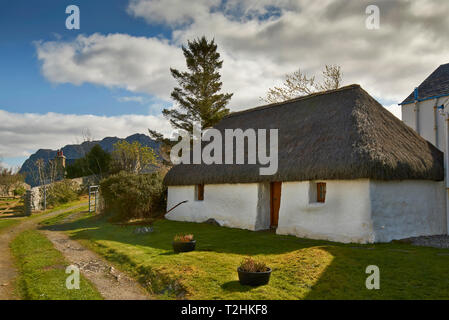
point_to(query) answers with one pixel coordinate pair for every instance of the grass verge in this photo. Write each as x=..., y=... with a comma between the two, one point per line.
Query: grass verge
x=60, y=217
x=5, y=223
x=302, y=268
x=42, y=271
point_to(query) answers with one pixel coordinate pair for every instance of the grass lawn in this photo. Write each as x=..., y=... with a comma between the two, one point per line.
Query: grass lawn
x=42, y=271
x=302, y=268
x=60, y=217
x=9, y=220
x=82, y=199
x=5, y=223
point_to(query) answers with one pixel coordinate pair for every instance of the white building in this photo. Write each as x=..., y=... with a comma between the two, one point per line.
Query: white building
x=426, y=110
x=422, y=109
x=348, y=171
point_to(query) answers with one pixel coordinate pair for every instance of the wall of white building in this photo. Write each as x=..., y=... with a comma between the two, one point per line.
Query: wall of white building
x=402, y=209
x=431, y=130
x=345, y=216
x=232, y=205
x=358, y=211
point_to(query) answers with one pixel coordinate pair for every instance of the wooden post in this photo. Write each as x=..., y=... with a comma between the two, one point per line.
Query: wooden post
x=27, y=203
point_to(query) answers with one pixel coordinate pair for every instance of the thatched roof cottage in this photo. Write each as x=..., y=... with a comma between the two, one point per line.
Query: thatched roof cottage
x=348, y=171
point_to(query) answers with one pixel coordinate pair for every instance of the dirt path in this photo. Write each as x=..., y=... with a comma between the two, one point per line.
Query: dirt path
x=8, y=271
x=111, y=283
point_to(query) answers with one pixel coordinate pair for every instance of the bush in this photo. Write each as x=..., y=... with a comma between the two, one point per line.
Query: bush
x=127, y=196
x=19, y=191
x=62, y=192
x=251, y=265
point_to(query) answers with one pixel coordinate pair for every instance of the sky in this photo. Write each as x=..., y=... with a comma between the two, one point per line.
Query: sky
x=111, y=77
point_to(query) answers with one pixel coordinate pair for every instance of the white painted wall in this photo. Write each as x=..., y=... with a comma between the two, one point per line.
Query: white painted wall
x=426, y=121
x=408, y=208
x=359, y=211
x=431, y=129
x=232, y=205
x=344, y=217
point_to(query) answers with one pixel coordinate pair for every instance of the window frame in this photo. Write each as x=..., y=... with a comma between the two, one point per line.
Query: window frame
x=321, y=192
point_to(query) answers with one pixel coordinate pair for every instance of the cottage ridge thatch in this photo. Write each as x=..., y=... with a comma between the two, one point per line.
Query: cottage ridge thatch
x=339, y=134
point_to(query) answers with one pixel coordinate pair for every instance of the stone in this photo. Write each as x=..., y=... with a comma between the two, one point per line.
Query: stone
x=436, y=241
x=142, y=230
x=213, y=222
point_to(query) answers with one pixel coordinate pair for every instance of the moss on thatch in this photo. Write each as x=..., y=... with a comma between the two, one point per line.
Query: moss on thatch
x=338, y=134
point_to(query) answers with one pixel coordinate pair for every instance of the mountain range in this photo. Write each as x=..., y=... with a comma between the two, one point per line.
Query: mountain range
x=76, y=151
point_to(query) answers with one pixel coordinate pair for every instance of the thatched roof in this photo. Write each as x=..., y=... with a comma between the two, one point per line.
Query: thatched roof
x=338, y=134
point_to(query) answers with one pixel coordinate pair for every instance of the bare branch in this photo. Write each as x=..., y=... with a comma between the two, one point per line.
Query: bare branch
x=297, y=84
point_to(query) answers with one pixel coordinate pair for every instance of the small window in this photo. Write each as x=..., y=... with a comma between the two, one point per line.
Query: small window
x=199, y=192
x=321, y=192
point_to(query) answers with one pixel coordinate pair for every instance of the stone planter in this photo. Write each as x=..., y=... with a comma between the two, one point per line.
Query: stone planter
x=254, y=278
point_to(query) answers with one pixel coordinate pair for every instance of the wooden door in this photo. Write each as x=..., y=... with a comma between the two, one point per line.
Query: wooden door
x=275, y=203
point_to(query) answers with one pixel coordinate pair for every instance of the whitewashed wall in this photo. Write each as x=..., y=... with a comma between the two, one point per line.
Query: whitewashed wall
x=232, y=205
x=426, y=121
x=344, y=217
x=402, y=209
x=358, y=211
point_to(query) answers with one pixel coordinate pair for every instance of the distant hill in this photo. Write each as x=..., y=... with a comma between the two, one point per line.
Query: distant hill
x=76, y=151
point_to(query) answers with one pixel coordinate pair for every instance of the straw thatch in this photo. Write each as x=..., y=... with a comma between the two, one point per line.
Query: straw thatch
x=339, y=134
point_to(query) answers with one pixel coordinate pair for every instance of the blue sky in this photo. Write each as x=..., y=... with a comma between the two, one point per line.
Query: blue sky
x=112, y=77
x=24, y=89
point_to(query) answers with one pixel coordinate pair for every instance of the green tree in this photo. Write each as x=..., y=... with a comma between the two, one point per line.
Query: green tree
x=98, y=160
x=95, y=162
x=198, y=96
x=132, y=157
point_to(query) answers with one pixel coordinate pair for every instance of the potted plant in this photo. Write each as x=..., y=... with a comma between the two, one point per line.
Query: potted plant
x=184, y=243
x=253, y=273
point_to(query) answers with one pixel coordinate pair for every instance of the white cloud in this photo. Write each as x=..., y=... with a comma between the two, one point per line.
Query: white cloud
x=138, y=99
x=173, y=12
x=23, y=134
x=137, y=64
x=260, y=41
x=395, y=109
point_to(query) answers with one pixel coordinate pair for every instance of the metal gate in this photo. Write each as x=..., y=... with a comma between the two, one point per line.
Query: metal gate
x=93, y=198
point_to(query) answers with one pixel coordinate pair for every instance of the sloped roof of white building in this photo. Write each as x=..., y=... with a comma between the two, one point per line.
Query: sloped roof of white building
x=435, y=85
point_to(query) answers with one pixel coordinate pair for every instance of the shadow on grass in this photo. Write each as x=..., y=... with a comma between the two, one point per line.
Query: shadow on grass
x=406, y=272
x=235, y=286
x=325, y=270
x=12, y=216
x=209, y=238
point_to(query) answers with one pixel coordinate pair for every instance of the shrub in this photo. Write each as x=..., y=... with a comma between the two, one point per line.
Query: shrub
x=183, y=238
x=62, y=192
x=127, y=196
x=19, y=191
x=251, y=265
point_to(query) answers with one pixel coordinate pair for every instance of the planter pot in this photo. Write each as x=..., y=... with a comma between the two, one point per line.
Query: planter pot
x=254, y=278
x=184, y=246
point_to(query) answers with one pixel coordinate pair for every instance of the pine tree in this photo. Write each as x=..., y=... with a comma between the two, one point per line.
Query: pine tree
x=198, y=92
